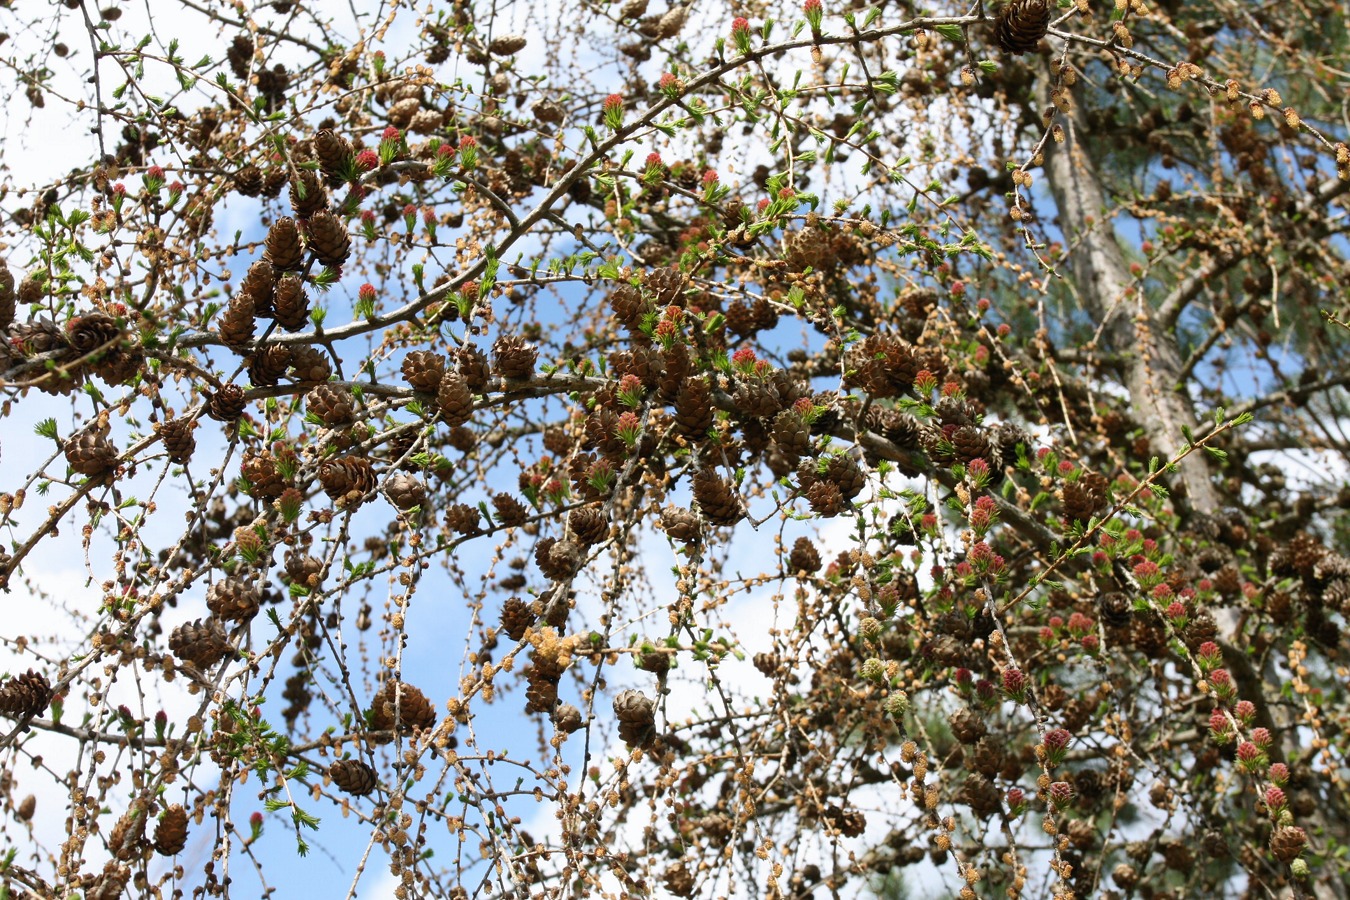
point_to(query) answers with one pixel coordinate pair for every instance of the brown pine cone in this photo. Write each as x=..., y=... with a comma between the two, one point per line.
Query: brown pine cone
x=558, y=560
x=967, y=726
x=171, y=832
x=423, y=369
x=665, y=284
x=284, y=250
x=510, y=511
x=517, y=617
x=90, y=453
x=111, y=884
x=694, y=409
x=637, y=718
x=414, y=711
x=237, y=323
x=260, y=284
x=825, y=498
x=259, y=470
x=268, y=366
x=756, y=398
x=717, y=498
x=454, y=400
x=473, y=365
x=804, y=557
x=513, y=357
x=178, y=439
x=25, y=695
x=681, y=524
x=541, y=685
x=95, y=333
x=792, y=433
x=589, y=524
x=1085, y=497
x=330, y=404
x=335, y=156
x=308, y=195
x=309, y=365
x=679, y=880
x=346, y=480
x=567, y=718
x=1115, y=609
x=303, y=569
x=1287, y=843
x=968, y=443
x=629, y=305
x=461, y=518
x=844, y=471
x=352, y=776
x=233, y=599
x=202, y=643
x=676, y=367
x=290, y=303
x=1020, y=25
x=249, y=180
x=274, y=181
x=7, y=296
x=128, y=835
x=328, y=239
x=405, y=492
x=226, y=404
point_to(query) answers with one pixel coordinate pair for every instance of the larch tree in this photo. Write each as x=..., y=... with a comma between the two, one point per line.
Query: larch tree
x=613, y=450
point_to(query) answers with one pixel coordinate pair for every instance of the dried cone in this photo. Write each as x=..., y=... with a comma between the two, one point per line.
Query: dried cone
x=510, y=511
x=308, y=195
x=284, y=250
x=332, y=405
x=454, y=399
x=791, y=432
x=507, y=45
x=7, y=297
x=260, y=283
x=94, y=334
x=347, y=480
x=846, y=473
x=226, y=404
x=969, y=443
x=128, y=835
x=567, y=718
x=681, y=524
x=260, y=471
x=414, y=712
x=461, y=518
x=1288, y=842
x=1116, y=609
x=179, y=441
x=423, y=369
x=541, y=685
x=352, y=776
x=694, y=408
x=513, y=357
x=171, y=832
x=309, y=365
x=328, y=239
x=717, y=499
x=804, y=557
x=233, y=599
x=405, y=491
x=1085, y=497
x=334, y=153
x=558, y=560
x=267, y=366
x=290, y=303
x=237, y=323
x=249, y=181
x=25, y=695
x=1020, y=25
x=637, y=718
x=202, y=643
x=516, y=618
x=665, y=284
x=589, y=524
x=473, y=365
x=90, y=452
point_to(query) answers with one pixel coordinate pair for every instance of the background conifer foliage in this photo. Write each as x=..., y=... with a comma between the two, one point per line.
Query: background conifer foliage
x=619, y=449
